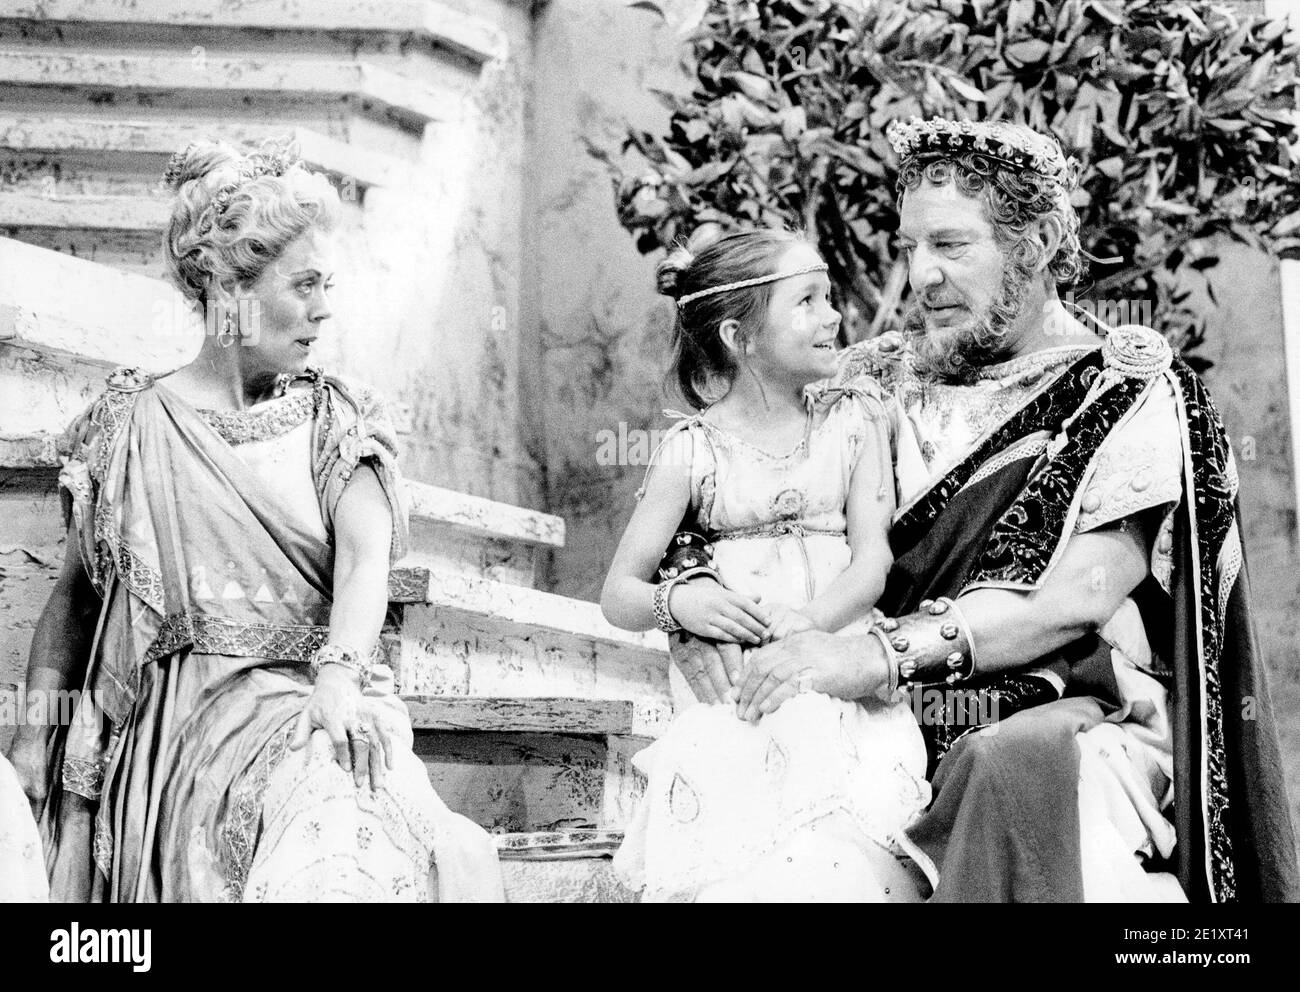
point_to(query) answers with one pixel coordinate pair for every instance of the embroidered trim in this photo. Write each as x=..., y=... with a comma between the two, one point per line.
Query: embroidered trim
x=82, y=776
x=140, y=577
x=1026, y=540
x=240, y=829
x=1230, y=559
x=276, y=419
x=1231, y=479
x=238, y=638
x=1030, y=447
x=1045, y=410
x=110, y=415
x=1212, y=520
x=1037, y=362
x=102, y=845
x=1162, y=555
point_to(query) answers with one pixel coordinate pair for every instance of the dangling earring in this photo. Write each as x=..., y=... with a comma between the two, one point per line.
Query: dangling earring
x=227, y=336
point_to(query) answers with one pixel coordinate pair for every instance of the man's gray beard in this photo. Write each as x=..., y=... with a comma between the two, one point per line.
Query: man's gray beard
x=956, y=354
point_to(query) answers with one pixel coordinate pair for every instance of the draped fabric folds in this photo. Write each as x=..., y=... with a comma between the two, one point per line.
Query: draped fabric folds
x=1000, y=517
x=216, y=581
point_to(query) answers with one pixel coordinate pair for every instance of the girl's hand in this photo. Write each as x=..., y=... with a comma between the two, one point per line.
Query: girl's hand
x=786, y=621
x=353, y=724
x=707, y=609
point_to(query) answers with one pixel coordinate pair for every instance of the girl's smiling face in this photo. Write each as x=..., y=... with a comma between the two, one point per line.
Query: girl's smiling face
x=797, y=343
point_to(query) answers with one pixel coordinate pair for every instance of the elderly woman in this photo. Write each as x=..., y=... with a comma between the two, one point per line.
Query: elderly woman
x=231, y=528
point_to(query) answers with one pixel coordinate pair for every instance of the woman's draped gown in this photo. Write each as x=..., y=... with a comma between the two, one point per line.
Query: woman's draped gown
x=209, y=537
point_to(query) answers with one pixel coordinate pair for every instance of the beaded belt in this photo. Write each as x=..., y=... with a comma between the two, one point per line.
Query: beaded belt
x=784, y=528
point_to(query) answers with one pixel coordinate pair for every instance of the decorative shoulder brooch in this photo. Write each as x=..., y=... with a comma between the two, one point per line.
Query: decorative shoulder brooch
x=1136, y=351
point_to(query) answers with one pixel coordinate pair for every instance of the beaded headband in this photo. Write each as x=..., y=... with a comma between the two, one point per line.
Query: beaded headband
x=1019, y=147
x=745, y=283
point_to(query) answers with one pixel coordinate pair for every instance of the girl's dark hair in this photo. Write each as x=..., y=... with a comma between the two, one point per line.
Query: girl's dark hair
x=702, y=364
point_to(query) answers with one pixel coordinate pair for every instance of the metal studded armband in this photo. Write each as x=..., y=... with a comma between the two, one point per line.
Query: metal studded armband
x=929, y=646
x=689, y=550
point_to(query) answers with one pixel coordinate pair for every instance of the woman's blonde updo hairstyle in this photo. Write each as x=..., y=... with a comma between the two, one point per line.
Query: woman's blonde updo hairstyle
x=234, y=213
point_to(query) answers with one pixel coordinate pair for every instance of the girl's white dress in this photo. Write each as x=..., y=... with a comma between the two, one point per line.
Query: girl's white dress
x=721, y=793
x=22, y=865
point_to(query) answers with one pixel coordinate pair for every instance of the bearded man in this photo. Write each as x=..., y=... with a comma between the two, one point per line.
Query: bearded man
x=1067, y=554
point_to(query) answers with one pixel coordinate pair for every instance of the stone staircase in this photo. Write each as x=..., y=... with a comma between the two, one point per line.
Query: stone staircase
x=98, y=94
x=527, y=706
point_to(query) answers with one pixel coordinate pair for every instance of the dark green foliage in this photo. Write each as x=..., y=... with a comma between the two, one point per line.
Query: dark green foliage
x=1181, y=114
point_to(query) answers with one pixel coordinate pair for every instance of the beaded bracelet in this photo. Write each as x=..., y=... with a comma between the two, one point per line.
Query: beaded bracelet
x=337, y=654
x=663, y=617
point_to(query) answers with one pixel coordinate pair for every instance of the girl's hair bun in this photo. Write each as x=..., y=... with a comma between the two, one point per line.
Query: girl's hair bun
x=198, y=160
x=670, y=272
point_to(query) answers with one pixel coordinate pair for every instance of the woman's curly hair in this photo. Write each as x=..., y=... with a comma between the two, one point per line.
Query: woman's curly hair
x=234, y=214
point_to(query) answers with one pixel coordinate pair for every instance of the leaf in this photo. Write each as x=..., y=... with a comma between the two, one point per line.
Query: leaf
x=691, y=20
x=1028, y=52
x=965, y=89
x=1106, y=11
x=654, y=8
x=1112, y=167
x=1287, y=225
x=1019, y=13
x=753, y=86
x=708, y=173
x=794, y=121
x=696, y=130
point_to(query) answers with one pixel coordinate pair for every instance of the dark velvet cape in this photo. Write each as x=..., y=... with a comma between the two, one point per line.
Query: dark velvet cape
x=1005, y=527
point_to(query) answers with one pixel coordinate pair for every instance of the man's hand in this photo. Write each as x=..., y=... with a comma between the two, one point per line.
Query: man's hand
x=712, y=670
x=843, y=667
x=786, y=621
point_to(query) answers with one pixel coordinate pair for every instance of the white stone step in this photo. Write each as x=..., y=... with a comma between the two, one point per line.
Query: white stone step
x=38, y=399
x=93, y=213
x=409, y=100
x=457, y=532
x=569, y=867
x=466, y=636
x=470, y=36
x=521, y=764
x=541, y=715
x=135, y=320
x=162, y=138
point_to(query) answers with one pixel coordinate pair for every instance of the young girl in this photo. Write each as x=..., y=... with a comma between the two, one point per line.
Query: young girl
x=794, y=487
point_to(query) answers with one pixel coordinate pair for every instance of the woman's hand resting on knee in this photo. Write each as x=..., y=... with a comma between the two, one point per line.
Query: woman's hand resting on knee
x=363, y=743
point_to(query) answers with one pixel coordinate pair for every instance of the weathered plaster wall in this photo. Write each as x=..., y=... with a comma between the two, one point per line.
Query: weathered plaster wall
x=589, y=299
